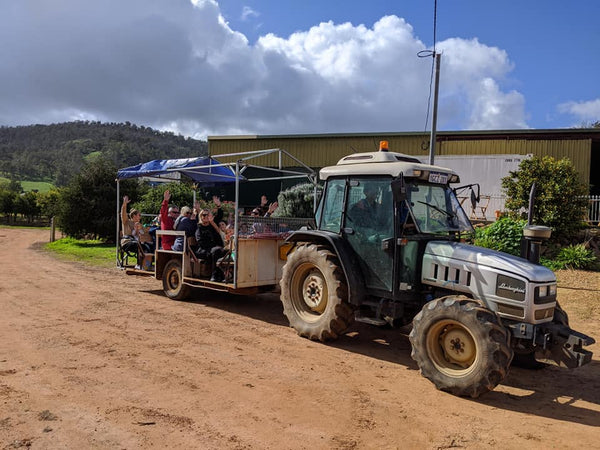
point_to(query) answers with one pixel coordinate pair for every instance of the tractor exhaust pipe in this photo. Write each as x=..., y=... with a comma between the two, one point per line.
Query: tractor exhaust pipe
x=533, y=235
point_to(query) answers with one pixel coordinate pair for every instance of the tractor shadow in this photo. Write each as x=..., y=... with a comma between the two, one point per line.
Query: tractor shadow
x=571, y=395
x=384, y=344
x=554, y=393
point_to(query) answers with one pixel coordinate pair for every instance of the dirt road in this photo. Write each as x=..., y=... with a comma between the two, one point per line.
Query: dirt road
x=92, y=358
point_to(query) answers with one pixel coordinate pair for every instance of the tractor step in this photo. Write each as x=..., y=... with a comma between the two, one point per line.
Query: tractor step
x=370, y=320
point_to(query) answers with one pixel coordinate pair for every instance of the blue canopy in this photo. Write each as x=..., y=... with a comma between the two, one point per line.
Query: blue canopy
x=203, y=169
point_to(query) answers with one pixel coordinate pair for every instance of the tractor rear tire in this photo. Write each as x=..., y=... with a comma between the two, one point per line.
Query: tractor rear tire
x=460, y=346
x=172, y=280
x=314, y=293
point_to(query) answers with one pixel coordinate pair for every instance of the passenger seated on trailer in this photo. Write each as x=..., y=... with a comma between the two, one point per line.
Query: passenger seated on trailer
x=187, y=222
x=142, y=235
x=168, y=214
x=210, y=244
x=128, y=241
x=223, y=232
x=261, y=227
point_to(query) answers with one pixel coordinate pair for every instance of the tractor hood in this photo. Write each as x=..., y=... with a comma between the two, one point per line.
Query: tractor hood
x=470, y=255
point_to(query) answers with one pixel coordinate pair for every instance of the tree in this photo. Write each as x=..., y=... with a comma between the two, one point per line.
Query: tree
x=560, y=201
x=26, y=205
x=49, y=202
x=7, y=201
x=150, y=199
x=88, y=203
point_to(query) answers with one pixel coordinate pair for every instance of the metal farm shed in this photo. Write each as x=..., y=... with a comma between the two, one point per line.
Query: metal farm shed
x=581, y=146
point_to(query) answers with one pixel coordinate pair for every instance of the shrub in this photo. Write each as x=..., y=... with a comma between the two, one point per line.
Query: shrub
x=574, y=257
x=559, y=202
x=297, y=201
x=503, y=235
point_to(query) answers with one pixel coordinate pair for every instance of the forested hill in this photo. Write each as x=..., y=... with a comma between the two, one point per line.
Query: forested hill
x=56, y=152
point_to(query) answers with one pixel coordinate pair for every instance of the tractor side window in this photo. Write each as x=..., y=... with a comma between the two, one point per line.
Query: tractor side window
x=370, y=209
x=331, y=216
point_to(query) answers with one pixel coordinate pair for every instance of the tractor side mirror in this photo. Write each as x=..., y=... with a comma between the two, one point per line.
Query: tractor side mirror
x=399, y=189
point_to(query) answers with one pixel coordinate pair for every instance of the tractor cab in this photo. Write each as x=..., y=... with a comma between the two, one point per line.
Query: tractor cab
x=387, y=206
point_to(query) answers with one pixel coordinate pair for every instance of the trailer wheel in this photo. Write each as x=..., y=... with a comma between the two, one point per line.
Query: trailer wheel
x=460, y=346
x=172, y=280
x=314, y=293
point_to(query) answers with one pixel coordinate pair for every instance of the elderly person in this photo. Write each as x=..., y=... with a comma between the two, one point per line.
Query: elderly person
x=187, y=222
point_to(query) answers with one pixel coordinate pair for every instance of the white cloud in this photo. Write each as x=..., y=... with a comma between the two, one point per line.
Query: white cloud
x=248, y=12
x=179, y=66
x=583, y=111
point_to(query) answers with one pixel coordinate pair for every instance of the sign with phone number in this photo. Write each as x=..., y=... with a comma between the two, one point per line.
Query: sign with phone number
x=437, y=177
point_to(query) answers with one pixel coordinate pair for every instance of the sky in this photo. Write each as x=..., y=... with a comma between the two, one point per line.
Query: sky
x=207, y=67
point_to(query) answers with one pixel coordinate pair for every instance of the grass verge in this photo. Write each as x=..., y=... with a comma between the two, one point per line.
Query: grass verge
x=94, y=252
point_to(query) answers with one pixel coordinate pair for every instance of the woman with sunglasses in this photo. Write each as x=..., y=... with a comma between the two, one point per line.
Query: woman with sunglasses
x=210, y=243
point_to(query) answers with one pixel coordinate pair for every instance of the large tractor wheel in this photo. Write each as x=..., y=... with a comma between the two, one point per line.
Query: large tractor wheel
x=314, y=293
x=172, y=280
x=460, y=346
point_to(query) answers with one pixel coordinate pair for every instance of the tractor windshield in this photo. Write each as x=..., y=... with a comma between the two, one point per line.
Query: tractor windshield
x=435, y=209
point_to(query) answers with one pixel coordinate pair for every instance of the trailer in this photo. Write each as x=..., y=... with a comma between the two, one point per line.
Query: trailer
x=257, y=251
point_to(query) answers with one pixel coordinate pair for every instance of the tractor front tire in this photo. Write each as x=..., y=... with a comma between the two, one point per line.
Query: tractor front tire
x=172, y=280
x=314, y=293
x=460, y=346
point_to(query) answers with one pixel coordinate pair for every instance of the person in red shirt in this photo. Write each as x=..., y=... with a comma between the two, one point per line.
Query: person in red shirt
x=168, y=215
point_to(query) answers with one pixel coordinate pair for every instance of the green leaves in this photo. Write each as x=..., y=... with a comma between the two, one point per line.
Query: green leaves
x=559, y=201
x=297, y=201
x=503, y=235
x=575, y=257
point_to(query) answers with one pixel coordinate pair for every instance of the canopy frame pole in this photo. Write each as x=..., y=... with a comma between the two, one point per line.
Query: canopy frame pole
x=236, y=223
x=117, y=240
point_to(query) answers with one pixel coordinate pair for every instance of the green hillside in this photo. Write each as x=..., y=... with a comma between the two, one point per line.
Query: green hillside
x=49, y=155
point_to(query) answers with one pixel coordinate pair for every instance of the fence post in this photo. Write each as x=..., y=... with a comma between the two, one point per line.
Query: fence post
x=52, y=230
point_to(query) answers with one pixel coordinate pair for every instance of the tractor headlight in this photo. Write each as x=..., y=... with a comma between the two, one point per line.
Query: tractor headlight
x=543, y=291
x=545, y=294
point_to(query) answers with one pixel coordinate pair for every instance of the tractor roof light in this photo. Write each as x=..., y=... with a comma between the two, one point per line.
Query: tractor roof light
x=383, y=146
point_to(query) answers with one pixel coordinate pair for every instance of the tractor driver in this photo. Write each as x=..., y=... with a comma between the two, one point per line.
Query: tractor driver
x=366, y=213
